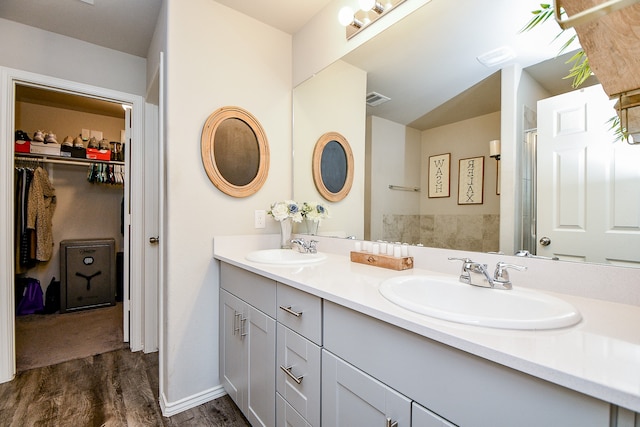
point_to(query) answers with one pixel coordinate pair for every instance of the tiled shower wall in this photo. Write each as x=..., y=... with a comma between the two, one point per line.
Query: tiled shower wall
x=477, y=233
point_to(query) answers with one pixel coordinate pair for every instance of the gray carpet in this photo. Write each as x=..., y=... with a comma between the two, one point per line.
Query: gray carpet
x=49, y=339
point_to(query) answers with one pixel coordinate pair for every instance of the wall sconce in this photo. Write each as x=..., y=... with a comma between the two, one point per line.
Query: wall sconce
x=494, y=149
x=369, y=12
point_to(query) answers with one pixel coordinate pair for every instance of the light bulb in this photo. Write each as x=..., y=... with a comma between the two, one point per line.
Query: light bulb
x=366, y=4
x=345, y=16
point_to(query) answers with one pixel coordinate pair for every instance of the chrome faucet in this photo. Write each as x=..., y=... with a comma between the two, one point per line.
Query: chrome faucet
x=476, y=274
x=304, y=246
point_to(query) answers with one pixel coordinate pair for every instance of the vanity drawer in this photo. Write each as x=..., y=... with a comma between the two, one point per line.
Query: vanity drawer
x=298, y=373
x=300, y=311
x=286, y=416
x=256, y=290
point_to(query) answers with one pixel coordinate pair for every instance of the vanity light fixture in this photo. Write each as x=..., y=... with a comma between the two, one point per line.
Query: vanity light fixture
x=369, y=12
x=494, y=149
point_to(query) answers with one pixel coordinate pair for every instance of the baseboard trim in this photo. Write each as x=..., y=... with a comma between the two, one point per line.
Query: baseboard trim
x=172, y=408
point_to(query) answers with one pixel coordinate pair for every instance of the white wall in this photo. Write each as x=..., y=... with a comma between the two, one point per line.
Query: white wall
x=215, y=57
x=468, y=138
x=394, y=160
x=30, y=49
x=331, y=101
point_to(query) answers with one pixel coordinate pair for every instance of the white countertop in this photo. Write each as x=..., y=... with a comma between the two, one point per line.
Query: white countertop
x=599, y=357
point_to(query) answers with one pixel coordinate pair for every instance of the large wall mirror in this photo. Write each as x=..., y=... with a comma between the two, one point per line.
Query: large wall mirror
x=235, y=151
x=444, y=85
x=333, y=166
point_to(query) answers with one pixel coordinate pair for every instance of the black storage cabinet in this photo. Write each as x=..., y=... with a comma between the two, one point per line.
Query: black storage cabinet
x=88, y=274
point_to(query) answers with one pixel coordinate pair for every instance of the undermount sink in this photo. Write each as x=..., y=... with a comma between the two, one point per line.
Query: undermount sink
x=448, y=299
x=284, y=257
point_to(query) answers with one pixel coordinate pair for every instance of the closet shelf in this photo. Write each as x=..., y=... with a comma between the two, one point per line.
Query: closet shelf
x=63, y=160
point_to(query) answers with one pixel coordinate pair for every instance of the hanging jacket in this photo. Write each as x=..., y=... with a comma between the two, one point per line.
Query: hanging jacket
x=40, y=208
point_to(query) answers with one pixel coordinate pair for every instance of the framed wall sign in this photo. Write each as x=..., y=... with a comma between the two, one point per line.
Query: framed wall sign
x=439, y=173
x=471, y=181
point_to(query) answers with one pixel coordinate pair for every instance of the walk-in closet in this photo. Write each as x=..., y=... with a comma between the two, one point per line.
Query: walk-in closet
x=69, y=202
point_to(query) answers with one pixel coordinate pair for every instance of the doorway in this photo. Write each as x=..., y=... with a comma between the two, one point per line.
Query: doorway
x=82, y=271
x=132, y=213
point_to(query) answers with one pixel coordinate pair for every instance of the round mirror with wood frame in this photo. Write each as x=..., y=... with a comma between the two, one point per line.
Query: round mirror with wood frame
x=333, y=166
x=235, y=151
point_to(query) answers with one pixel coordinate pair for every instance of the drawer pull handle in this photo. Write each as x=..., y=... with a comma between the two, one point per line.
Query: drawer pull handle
x=287, y=371
x=288, y=310
x=391, y=424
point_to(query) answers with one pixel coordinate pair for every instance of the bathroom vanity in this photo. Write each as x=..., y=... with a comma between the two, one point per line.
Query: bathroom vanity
x=318, y=345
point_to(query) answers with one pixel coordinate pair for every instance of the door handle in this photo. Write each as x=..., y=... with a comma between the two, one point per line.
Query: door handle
x=154, y=240
x=545, y=241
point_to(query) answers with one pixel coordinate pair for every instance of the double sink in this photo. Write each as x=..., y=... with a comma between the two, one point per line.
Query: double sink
x=445, y=297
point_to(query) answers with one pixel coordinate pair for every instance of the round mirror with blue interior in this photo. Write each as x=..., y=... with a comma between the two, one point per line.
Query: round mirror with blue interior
x=333, y=166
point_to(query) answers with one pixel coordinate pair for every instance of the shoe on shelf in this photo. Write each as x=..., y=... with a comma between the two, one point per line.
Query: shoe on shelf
x=50, y=138
x=105, y=145
x=68, y=141
x=93, y=142
x=38, y=136
x=22, y=136
x=78, y=142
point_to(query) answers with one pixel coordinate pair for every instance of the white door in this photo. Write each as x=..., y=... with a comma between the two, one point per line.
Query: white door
x=588, y=197
x=152, y=212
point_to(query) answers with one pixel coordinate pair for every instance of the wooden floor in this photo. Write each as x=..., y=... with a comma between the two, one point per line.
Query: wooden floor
x=119, y=388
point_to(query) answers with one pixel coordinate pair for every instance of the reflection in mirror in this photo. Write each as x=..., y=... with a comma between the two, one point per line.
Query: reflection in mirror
x=333, y=166
x=443, y=100
x=235, y=152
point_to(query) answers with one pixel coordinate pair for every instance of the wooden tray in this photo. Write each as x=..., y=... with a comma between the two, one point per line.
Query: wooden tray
x=384, y=261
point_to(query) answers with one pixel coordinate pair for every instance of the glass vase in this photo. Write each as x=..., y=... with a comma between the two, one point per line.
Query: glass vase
x=312, y=226
x=285, y=233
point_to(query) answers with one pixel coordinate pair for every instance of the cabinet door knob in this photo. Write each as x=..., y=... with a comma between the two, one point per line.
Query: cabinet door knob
x=391, y=423
x=154, y=240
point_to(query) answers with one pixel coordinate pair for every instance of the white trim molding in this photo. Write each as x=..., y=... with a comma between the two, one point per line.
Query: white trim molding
x=173, y=408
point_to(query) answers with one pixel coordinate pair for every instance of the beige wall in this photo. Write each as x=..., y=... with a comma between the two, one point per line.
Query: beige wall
x=468, y=138
x=31, y=117
x=215, y=57
x=331, y=101
x=394, y=156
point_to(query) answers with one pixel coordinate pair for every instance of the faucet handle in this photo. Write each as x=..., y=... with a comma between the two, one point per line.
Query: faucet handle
x=464, y=260
x=501, y=275
x=465, y=277
x=312, y=248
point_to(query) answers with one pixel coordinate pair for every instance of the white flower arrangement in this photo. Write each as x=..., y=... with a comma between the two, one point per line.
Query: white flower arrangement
x=285, y=209
x=314, y=211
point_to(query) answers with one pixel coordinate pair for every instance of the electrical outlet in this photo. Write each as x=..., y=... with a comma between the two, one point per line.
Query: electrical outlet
x=260, y=219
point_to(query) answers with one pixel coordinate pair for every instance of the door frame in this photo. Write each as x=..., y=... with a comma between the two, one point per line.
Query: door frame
x=134, y=209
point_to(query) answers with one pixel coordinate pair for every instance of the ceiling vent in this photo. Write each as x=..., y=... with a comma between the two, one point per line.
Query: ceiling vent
x=374, y=99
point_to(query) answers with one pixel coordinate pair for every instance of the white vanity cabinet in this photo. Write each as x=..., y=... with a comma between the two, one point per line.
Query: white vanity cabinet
x=299, y=335
x=351, y=398
x=248, y=342
x=466, y=390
